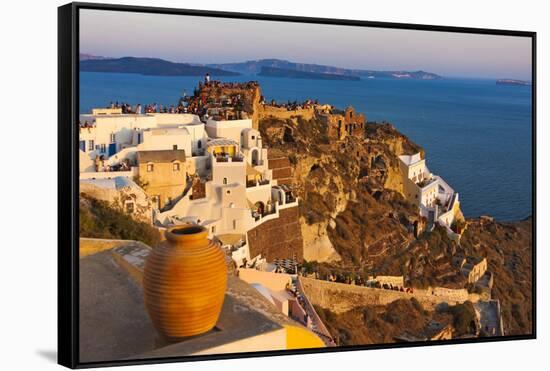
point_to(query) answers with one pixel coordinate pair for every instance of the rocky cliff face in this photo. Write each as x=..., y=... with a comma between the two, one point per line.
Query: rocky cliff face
x=508, y=248
x=350, y=190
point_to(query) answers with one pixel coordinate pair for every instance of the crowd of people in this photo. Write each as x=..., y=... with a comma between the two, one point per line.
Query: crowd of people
x=228, y=85
x=196, y=104
x=350, y=279
x=138, y=109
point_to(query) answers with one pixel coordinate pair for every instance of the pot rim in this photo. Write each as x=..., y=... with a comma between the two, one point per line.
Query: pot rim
x=193, y=232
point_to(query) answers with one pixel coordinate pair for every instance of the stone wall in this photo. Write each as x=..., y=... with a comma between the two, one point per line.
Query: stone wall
x=282, y=113
x=279, y=238
x=388, y=280
x=90, y=246
x=341, y=297
x=474, y=271
x=280, y=165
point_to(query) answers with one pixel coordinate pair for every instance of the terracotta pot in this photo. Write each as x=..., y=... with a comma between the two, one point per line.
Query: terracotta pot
x=184, y=283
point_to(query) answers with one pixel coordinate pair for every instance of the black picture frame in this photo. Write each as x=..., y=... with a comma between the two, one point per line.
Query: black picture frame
x=68, y=178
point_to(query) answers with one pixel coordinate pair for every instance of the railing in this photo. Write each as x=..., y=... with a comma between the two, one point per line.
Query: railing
x=250, y=184
x=229, y=159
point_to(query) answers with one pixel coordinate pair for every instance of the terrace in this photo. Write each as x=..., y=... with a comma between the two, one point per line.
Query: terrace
x=227, y=158
x=425, y=182
x=115, y=324
x=257, y=183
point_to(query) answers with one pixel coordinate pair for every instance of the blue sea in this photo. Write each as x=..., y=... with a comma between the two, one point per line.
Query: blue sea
x=477, y=134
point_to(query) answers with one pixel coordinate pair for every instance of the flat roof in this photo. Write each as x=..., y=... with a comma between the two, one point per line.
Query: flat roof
x=169, y=131
x=410, y=159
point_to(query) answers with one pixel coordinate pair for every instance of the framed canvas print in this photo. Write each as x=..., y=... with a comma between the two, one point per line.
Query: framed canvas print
x=242, y=185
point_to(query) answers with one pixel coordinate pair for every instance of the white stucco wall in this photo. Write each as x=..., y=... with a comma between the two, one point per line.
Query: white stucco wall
x=234, y=172
x=124, y=127
x=230, y=129
x=166, y=139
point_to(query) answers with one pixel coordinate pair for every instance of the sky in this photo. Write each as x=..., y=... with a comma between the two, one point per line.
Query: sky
x=191, y=39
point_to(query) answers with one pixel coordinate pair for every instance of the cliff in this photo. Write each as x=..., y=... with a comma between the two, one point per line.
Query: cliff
x=350, y=189
x=508, y=248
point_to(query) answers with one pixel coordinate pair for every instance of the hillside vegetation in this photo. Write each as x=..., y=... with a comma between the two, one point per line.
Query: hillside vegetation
x=98, y=219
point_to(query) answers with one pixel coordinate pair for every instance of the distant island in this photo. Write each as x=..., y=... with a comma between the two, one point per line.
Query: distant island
x=160, y=67
x=255, y=67
x=513, y=82
x=295, y=74
x=148, y=66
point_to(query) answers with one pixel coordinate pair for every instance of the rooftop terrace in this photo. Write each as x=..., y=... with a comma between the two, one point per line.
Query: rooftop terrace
x=114, y=323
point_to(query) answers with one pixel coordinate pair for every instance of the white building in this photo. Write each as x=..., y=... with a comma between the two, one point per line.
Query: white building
x=437, y=201
x=108, y=131
x=238, y=192
x=230, y=129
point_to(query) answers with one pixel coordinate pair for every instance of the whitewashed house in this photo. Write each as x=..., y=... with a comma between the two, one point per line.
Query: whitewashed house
x=437, y=200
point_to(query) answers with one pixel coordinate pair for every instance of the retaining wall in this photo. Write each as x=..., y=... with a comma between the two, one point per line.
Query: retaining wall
x=341, y=297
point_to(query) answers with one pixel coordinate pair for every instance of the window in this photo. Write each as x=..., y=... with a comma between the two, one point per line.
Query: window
x=176, y=166
x=228, y=192
x=199, y=144
x=213, y=229
x=103, y=148
x=175, y=147
x=253, y=137
x=139, y=138
x=150, y=168
x=129, y=206
x=224, y=180
x=113, y=138
x=90, y=145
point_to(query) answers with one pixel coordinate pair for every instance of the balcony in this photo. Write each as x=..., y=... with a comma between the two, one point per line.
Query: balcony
x=425, y=182
x=250, y=184
x=229, y=158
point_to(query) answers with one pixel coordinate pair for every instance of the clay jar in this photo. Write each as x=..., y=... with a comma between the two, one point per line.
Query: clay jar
x=184, y=283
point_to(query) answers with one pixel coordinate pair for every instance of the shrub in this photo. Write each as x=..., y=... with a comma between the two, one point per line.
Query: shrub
x=99, y=220
x=464, y=317
x=417, y=305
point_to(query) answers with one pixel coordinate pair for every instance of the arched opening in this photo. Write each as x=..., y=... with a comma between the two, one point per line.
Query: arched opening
x=259, y=207
x=254, y=157
x=288, y=135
